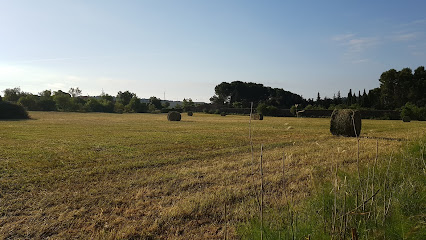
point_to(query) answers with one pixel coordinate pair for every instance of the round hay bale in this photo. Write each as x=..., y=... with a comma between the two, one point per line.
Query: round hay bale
x=345, y=122
x=406, y=119
x=257, y=116
x=223, y=114
x=174, y=116
x=190, y=113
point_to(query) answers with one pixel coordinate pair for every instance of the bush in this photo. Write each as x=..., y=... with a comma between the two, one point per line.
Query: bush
x=345, y=122
x=118, y=107
x=29, y=102
x=174, y=116
x=190, y=113
x=12, y=111
x=267, y=110
x=409, y=110
x=406, y=119
x=223, y=114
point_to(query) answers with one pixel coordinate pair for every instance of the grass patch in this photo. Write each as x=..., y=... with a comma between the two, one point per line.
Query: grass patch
x=122, y=176
x=387, y=202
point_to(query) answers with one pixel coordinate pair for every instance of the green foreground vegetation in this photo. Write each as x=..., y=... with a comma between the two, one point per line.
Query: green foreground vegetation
x=139, y=176
x=386, y=201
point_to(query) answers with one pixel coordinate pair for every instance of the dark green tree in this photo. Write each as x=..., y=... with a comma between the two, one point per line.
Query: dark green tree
x=93, y=105
x=349, y=100
x=125, y=97
x=29, y=102
x=156, y=102
x=62, y=100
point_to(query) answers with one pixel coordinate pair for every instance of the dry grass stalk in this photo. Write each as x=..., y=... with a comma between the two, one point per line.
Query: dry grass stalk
x=225, y=234
x=354, y=234
x=261, y=191
x=335, y=201
x=284, y=182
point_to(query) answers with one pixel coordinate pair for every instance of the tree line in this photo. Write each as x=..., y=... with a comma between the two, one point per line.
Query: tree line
x=73, y=101
x=399, y=90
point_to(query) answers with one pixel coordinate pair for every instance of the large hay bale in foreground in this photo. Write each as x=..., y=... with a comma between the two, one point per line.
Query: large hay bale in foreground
x=257, y=116
x=345, y=122
x=174, y=116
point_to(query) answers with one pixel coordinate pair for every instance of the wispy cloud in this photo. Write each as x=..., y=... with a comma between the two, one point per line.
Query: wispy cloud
x=361, y=61
x=354, y=46
x=343, y=37
x=412, y=23
x=357, y=45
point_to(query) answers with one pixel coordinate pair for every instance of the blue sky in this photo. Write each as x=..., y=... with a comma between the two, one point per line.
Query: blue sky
x=185, y=48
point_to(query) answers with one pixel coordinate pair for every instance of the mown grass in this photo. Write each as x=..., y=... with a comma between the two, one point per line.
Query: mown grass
x=129, y=176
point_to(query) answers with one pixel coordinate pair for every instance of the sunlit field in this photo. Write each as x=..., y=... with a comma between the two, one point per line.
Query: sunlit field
x=131, y=176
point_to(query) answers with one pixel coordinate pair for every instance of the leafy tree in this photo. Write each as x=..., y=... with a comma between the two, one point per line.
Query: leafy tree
x=30, y=102
x=388, y=82
x=375, y=99
x=125, y=97
x=93, y=105
x=12, y=94
x=165, y=104
x=151, y=107
x=62, y=100
x=46, y=102
x=134, y=105
x=156, y=102
x=118, y=107
x=187, y=104
x=217, y=100
x=417, y=91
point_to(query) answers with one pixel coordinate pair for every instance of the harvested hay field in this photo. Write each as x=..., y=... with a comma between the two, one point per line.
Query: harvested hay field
x=139, y=176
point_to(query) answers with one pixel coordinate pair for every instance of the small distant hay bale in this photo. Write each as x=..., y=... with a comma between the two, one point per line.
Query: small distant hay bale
x=406, y=119
x=223, y=114
x=257, y=116
x=345, y=122
x=174, y=116
x=190, y=113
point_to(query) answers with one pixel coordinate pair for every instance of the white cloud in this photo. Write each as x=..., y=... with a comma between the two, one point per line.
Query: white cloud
x=399, y=37
x=343, y=37
x=355, y=47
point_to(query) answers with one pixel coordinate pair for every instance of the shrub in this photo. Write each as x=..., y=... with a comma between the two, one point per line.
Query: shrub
x=409, y=110
x=118, y=107
x=174, y=116
x=190, y=113
x=223, y=114
x=29, y=102
x=406, y=119
x=345, y=122
x=12, y=111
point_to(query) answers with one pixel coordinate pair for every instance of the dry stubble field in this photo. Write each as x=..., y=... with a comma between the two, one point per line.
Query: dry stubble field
x=131, y=176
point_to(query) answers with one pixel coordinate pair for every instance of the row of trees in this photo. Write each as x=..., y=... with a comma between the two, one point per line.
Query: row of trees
x=397, y=88
x=73, y=101
x=241, y=94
